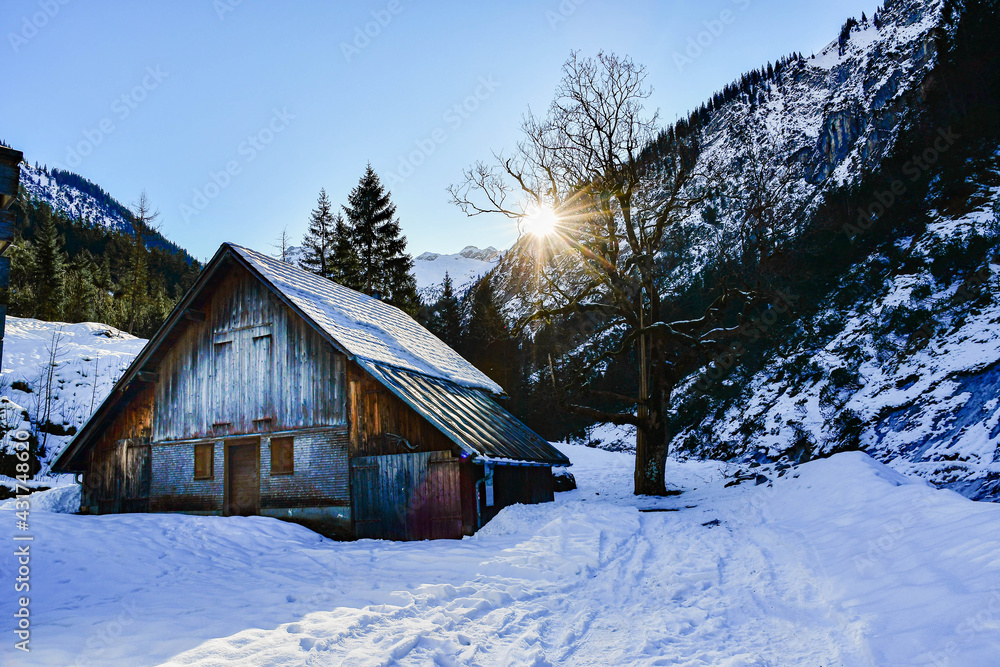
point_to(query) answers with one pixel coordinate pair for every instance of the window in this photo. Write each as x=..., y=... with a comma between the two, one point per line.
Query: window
x=282, y=456
x=204, y=461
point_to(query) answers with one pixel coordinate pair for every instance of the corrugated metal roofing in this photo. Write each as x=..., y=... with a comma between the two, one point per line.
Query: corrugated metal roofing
x=468, y=417
x=366, y=327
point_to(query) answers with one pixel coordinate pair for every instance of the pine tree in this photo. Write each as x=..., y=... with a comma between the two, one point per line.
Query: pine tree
x=346, y=266
x=317, y=245
x=446, y=316
x=488, y=343
x=49, y=277
x=384, y=267
x=81, y=292
x=23, y=302
x=136, y=294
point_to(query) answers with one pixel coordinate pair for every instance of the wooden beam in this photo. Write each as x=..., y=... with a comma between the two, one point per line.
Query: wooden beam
x=193, y=315
x=147, y=376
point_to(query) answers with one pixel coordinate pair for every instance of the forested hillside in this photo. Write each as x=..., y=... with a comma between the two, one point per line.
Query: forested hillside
x=81, y=256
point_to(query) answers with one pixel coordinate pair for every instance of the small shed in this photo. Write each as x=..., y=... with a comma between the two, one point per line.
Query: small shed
x=272, y=391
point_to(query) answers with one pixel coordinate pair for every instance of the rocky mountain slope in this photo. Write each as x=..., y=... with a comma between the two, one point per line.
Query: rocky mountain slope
x=84, y=201
x=900, y=355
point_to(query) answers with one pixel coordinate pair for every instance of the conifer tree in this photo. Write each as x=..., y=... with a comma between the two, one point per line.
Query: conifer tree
x=22, y=301
x=49, y=277
x=81, y=291
x=488, y=343
x=317, y=245
x=384, y=267
x=136, y=293
x=346, y=266
x=446, y=316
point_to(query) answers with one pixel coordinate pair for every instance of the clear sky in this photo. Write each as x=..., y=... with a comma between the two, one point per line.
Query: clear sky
x=232, y=114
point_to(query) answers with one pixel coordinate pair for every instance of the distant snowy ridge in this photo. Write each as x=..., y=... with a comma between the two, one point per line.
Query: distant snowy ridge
x=463, y=267
x=83, y=201
x=62, y=191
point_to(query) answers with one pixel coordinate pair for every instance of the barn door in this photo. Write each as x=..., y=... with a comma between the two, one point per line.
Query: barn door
x=138, y=473
x=243, y=478
x=406, y=496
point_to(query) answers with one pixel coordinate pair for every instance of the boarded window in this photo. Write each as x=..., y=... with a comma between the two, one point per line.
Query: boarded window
x=204, y=461
x=282, y=456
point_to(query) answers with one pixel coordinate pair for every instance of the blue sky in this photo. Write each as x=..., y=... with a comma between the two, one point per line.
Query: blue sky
x=232, y=114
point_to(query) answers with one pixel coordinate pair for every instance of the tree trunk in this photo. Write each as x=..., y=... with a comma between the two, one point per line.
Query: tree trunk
x=650, y=460
x=651, y=438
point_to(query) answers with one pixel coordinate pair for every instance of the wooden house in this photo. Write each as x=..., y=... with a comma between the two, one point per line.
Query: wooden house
x=272, y=391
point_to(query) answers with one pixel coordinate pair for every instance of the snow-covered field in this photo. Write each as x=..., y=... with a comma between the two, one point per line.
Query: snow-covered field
x=841, y=562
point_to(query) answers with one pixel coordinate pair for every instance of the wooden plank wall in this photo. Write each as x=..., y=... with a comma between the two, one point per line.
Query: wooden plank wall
x=407, y=496
x=253, y=366
x=108, y=468
x=377, y=412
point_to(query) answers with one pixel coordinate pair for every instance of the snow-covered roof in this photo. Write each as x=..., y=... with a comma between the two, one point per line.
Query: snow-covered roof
x=367, y=328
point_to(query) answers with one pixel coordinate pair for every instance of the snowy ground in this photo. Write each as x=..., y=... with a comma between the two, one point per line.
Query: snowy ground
x=842, y=562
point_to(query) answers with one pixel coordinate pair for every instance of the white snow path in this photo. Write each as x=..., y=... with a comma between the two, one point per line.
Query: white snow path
x=847, y=564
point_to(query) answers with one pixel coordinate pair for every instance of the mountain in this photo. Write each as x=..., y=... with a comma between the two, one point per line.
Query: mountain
x=463, y=267
x=886, y=162
x=84, y=201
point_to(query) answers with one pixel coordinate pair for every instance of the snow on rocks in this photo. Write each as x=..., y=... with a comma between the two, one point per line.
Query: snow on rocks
x=85, y=355
x=841, y=562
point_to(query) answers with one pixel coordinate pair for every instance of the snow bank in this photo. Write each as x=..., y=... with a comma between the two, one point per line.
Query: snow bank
x=62, y=499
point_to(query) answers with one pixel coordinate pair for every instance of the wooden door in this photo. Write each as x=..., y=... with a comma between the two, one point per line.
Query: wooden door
x=243, y=478
x=138, y=475
x=407, y=496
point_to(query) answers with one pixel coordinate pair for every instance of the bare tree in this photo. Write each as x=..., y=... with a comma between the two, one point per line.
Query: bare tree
x=283, y=244
x=614, y=216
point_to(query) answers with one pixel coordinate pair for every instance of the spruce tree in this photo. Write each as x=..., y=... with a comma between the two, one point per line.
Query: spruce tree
x=81, y=293
x=136, y=292
x=384, y=267
x=488, y=343
x=49, y=277
x=446, y=316
x=346, y=266
x=317, y=245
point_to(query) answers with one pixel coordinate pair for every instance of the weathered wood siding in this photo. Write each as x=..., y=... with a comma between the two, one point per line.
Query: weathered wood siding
x=379, y=419
x=252, y=366
x=117, y=467
x=407, y=496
